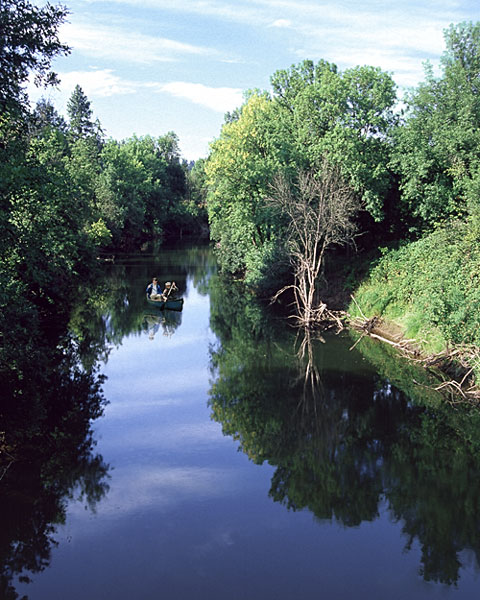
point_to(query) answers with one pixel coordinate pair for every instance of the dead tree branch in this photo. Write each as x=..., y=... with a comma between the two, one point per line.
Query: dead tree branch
x=319, y=208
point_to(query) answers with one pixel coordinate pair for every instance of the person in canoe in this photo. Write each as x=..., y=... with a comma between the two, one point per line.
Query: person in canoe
x=169, y=291
x=153, y=290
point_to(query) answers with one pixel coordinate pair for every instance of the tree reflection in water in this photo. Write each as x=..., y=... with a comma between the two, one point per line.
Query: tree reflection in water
x=345, y=441
x=47, y=457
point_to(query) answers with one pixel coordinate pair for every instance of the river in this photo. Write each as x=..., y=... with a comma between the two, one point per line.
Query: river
x=237, y=458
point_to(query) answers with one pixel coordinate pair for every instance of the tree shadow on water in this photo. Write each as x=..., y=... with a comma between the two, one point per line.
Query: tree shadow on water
x=47, y=451
x=346, y=442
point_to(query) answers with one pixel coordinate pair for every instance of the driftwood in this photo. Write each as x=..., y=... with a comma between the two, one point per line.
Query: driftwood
x=319, y=316
x=457, y=362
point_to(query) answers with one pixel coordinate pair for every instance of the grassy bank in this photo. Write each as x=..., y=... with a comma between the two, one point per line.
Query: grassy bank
x=430, y=289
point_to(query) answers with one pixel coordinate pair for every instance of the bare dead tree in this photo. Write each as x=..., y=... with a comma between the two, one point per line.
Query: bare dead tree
x=320, y=207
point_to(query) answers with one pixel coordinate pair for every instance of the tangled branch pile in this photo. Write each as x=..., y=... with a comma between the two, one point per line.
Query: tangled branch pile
x=457, y=366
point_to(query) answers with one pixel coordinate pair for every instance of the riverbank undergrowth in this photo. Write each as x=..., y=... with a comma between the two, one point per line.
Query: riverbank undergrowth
x=429, y=289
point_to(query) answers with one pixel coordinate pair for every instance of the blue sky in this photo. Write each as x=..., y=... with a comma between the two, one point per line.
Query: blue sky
x=153, y=66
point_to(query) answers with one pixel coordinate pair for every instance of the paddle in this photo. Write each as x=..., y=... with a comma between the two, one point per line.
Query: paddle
x=171, y=288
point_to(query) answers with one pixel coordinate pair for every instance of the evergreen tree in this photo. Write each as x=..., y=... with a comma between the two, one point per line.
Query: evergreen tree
x=80, y=115
x=45, y=116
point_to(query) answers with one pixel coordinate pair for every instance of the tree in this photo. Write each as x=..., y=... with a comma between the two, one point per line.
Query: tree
x=28, y=42
x=315, y=112
x=242, y=163
x=347, y=117
x=195, y=203
x=437, y=152
x=139, y=187
x=79, y=112
x=320, y=209
x=120, y=192
x=45, y=116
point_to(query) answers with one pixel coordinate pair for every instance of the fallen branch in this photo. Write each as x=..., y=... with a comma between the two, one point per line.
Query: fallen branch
x=398, y=345
x=447, y=362
x=457, y=387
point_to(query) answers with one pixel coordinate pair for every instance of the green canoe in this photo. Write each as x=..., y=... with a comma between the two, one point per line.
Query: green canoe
x=170, y=304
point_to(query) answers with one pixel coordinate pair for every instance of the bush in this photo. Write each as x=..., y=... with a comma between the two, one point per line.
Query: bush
x=430, y=287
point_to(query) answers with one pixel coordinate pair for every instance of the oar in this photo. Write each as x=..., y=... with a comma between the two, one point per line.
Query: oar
x=168, y=293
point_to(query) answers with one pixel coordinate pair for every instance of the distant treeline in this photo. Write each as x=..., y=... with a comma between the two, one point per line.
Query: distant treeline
x=68, y=194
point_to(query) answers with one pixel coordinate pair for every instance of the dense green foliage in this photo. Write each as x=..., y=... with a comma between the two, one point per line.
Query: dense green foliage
x=29, y=40
x=416, y=171
x=240, y=168
x=437, y=152
x=315, y=113
x=429, y=287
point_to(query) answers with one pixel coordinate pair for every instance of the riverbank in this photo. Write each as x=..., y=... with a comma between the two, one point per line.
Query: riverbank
x=424, y=298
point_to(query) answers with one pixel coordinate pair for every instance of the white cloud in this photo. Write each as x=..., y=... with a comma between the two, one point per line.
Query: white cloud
x=98, y=83
x=346, y=33
x=281, y=23
x=219, y=99
x=154, y=433
x=216, y=42
x=114, y=43
x=141, y=487
x=251, y=13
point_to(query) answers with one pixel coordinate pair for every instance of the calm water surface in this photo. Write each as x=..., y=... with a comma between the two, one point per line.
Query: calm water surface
x=243, y=464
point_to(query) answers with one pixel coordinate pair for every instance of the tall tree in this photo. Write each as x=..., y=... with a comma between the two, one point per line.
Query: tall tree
x=28, y=42
x=242, y=163
x=79, y=113
x=315, y=113
x=347, y=117
x=437, y=154
x=45, y=116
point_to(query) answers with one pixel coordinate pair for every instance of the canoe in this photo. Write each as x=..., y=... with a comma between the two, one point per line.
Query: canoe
x=170, y=304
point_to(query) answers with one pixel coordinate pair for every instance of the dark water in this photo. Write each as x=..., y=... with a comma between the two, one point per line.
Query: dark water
x=236, y=459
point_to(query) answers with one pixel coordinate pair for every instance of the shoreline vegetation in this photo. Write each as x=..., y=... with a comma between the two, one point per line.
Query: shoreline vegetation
x=298, y=175
x=326, y=161
x=454, y=368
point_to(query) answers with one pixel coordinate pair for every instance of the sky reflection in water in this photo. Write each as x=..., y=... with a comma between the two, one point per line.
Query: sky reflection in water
x=188, y=516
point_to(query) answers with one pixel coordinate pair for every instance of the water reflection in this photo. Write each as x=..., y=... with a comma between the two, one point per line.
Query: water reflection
x=166, y=321
x=51, y=395
x=47, y=455
x=117, y=306
x=343, y=443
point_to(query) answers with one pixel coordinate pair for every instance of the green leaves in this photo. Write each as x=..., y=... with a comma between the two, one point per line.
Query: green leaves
x=28, y=42
x=430, y=287
x=239, y=170
x=437, y=150
x=315, y=113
